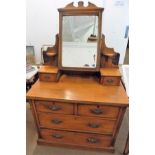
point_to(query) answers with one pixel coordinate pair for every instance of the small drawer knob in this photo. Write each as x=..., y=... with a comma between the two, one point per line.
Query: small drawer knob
x=110, y=81
x=47, y=77
x=56, y=121
x=92, y=140
x=58, y=136
x=96, y=111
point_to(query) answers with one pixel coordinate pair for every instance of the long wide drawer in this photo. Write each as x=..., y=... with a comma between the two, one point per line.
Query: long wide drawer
x=76, y=123
x=54, y=107
x=75, y=138
x=98, y=110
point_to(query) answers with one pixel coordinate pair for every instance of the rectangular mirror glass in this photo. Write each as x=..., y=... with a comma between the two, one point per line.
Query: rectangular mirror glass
x=79, y=41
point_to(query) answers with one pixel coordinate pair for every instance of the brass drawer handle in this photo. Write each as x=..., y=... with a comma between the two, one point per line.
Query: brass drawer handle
x=96, y=111
x=56, y=121
x=110, y=81
x=58, y=136
x=92, y=140
x=93, y=125
x=54, y=107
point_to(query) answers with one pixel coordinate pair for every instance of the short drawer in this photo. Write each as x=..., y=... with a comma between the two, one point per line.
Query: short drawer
x=98, y=110
x=49, y=77
x=76, y=123
x=76, y=138
x=54, y=107
x=110, y=80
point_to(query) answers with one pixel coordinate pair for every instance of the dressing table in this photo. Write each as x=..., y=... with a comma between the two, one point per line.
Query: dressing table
x=79, y=101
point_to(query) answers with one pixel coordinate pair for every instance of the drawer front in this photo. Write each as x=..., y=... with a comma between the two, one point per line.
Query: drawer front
x=47, y=77
x=75, y=138
x=98, y=110
x=76, y=123
x=114, y=81
x=54, y=107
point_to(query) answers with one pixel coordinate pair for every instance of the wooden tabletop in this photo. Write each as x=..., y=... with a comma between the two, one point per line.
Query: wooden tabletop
x=110, y=71
x=48, y=69
x=79, y=89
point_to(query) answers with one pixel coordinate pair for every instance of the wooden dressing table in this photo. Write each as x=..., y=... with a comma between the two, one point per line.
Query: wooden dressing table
x=78, y=111
x=80, y=107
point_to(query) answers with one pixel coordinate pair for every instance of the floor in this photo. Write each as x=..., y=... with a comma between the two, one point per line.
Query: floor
x=33, y=149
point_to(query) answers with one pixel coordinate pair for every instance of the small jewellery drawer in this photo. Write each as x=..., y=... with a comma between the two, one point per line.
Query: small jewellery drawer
x=76, y=123
x=98, y=110
x=110, y=80
x=76, y=138
x=48, y=77
x=54, y=107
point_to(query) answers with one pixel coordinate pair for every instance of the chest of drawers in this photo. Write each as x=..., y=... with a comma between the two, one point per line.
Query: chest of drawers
x=77, y=113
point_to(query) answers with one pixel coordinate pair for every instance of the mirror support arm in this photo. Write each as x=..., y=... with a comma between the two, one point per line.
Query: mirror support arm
x=50, y=56
x=109, y=58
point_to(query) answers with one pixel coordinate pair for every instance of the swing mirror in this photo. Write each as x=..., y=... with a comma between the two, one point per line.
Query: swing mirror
x=80, y=29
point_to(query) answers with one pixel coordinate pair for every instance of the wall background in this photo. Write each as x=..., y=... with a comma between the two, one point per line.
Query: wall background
x=42, y=23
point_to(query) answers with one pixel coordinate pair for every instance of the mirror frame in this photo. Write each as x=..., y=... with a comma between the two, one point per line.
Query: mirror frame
x=80, y=10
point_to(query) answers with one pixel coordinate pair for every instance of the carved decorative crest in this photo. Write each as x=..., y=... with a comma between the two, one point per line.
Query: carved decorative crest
x=80, y=6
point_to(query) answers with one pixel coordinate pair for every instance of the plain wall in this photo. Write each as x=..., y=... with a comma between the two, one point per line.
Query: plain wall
x=42, y=23
x=115, y=21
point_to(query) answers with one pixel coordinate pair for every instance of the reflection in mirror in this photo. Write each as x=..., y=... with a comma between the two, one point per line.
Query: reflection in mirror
x=79, y=41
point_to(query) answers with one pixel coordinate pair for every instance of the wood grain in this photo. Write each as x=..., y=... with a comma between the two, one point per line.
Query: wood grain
x=49, y=73
x=110, y=72
x=48, y=69
x=81, y=139
x=76, y=123
x=77, y=89
x=106, y=111
x=47, y=77
x=54, y=107
x=110, y=80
